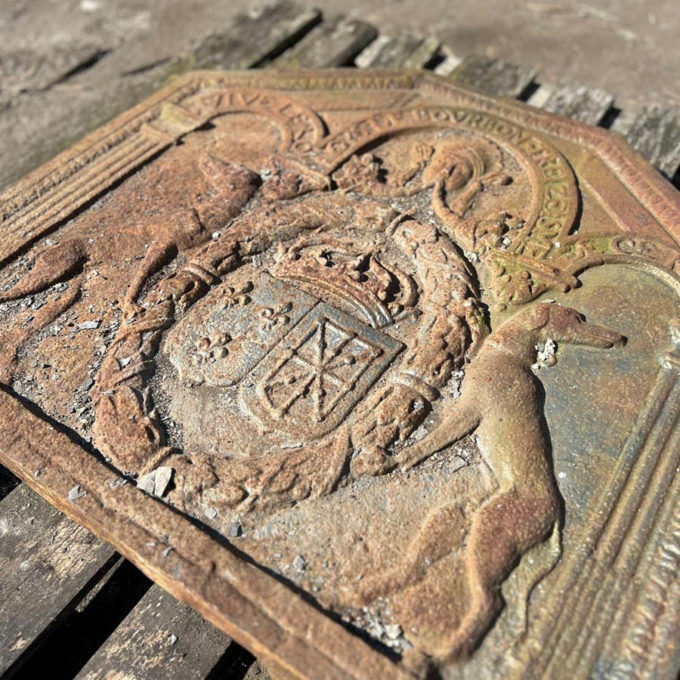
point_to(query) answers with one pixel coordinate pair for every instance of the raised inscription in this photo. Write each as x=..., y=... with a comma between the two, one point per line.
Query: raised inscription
x=400, y=357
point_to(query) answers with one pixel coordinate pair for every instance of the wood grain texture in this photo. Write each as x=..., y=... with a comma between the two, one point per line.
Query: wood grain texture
x=47, y=563
x=161, y=639
x=655, y=133
x=254, y=38
x=589, y=105
x=493, y=76
x=333, y=43
x=401, y=51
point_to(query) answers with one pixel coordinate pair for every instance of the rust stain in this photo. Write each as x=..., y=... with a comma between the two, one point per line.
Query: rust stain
x=340, y=346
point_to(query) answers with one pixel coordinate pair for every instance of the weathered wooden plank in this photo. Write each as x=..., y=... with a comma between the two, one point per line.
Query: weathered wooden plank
x=370, y=53
x=448, y=65
x=655, y=133
x=87, y=626
x=422, y=54
x=540, y=96
x=623, y=121
x=333, y=43
x=400, y=51
x=27, y=70
x=256, y=37
x=47, y=563
x=493, y=76
x=161, y=639
x=589, y=105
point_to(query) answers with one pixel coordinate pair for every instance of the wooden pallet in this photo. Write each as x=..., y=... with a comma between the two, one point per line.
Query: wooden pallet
x=66, y=599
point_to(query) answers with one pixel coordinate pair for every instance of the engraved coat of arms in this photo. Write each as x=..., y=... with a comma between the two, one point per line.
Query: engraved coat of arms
x=382, y=350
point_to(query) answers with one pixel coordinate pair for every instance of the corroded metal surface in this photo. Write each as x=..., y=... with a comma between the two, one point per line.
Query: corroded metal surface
x=378, y=374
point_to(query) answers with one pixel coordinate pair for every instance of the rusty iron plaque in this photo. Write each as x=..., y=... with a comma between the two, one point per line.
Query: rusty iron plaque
x=377, y=373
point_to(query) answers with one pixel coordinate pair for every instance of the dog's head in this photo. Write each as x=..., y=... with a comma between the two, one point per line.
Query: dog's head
x=566, y=325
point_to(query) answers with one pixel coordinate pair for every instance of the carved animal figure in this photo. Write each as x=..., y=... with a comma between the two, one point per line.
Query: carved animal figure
x=230, y=187
x=500, y=400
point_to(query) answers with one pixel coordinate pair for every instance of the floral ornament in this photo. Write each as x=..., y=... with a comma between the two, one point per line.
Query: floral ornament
x=514, y=287
x=273, y=316
x=212, y=348
x=231, y=295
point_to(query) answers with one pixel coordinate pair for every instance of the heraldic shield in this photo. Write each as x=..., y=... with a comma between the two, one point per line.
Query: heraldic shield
x=299, y=363
x=380, y=375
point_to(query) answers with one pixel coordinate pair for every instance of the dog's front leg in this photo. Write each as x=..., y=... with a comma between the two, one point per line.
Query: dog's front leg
x=461, y=419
